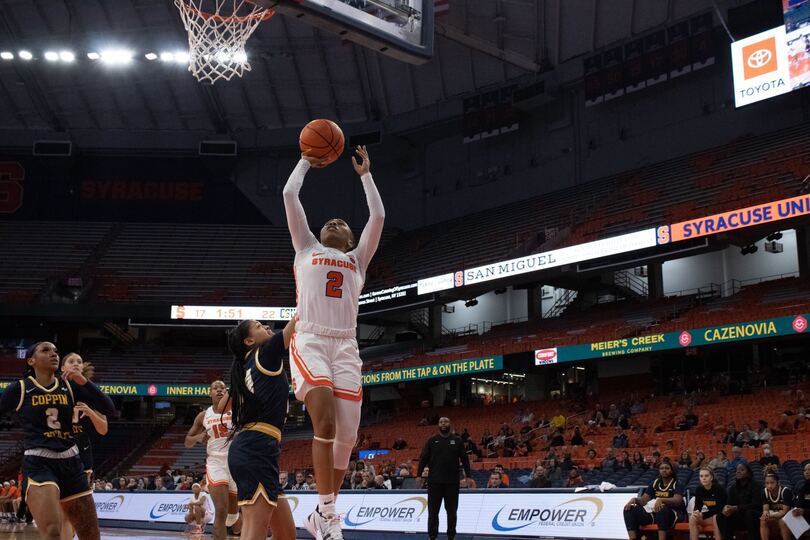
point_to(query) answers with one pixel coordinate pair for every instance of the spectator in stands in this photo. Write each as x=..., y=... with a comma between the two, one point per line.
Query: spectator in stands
x=700, y=461
x=471, y=449
x=504, y=476
x=682, y=424
x=718, y=427
x=311, y=485
x=422, y=480
x=357, y=480
x=576, y=438
x=556, y=438
x=619, y=439
x=381, y=483
x=122, y=484
x=284, y=481
x=712, y=496
x=613, y=414
x=768, y=461
x=737, y=459
x=669, y=450
x=802, y=499
x=591, y=462
x=746, y=437
x=731, y=434
x=486, y=441
x=685, y=461
x=539, y=478
x=574, y=478
x=624, y=462
x=638, y=462
x=743, y=505
x=667, y=509
x=554, y=472
x=159, y=485
x=558, y=421
x=623, y=422
x=495, y=481
x=300, y=481
x=654, y=460
x=763, y=433
x=640, y=439
x=598, y=416
x=691, y=417
x=399, y=444
x=132, y=484
x=610, y=463
x=720, y=461
x=785, y=426
x=637, y=408
x=523, y=448
x=777, y=501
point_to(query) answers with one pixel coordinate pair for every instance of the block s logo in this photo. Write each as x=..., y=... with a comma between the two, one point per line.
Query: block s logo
x=12, y=175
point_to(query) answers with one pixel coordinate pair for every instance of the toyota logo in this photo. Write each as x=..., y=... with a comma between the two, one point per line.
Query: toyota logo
x=759, y=58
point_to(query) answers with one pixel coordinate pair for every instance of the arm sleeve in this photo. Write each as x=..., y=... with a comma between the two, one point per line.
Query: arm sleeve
x=95, y=399
x=370, y=238
x=302, y=237
x=10, y=398
x=270, y=361
x=423, y=459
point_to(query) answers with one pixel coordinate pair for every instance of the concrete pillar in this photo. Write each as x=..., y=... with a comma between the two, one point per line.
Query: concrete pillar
x=534, y=302
x=655, y=279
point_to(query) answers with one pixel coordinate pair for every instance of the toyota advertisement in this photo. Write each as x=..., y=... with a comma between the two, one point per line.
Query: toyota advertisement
x=507, y=513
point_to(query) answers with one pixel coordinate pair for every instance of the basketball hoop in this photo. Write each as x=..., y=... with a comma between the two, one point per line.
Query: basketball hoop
x=217, y=33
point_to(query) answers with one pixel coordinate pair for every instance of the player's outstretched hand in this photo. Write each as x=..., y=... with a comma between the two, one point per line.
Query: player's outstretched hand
x=75, y=377
x=318, y=163
x=365, y=166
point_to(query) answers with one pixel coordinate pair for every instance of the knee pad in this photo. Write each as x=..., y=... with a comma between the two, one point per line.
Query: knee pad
x=347, y=420
x=231, y=519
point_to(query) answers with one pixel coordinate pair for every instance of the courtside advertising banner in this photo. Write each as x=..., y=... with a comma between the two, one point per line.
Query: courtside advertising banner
x=154, y=506
x=507, y=513
x=761, y=67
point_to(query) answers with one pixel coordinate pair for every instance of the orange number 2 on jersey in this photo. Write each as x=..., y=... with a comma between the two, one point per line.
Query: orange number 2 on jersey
x=334, y=284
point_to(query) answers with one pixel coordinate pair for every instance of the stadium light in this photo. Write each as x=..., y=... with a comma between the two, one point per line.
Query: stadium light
x=116, y=56
x=26, y=55
x=93, y=55
x=51, y=56
x=240, y=58
x=166, y=57
x=67, y=56
x=7, y=55
x=181, y=57
x=151, y=56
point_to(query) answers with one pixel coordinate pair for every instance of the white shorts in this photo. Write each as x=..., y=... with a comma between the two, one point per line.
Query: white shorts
x=218, y=474
x=317, y=360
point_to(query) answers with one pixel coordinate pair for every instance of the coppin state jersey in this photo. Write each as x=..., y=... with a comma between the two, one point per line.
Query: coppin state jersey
x=328, y=285
x=46, y=414
x=218, y=426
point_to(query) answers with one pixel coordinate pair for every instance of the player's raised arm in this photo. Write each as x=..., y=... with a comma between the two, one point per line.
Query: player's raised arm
x=302, y=237
x=372, y=232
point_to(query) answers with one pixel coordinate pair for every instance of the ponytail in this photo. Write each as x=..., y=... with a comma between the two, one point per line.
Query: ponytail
x=28, y=371
x=244, y=408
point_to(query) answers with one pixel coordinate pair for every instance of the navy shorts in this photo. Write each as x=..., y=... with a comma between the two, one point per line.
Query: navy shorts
x=66, y=474
x=253, y=462
x=86, y=455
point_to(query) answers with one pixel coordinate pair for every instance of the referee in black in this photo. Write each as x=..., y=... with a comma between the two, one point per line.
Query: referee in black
x=443, y=454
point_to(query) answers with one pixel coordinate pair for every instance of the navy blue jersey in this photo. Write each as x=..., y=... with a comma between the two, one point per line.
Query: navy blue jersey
x=46, y=414
x=265, y=378
x=81, y=432
x=659, y=489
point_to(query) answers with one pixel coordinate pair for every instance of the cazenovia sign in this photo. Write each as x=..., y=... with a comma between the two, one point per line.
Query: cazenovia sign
x=543, y=357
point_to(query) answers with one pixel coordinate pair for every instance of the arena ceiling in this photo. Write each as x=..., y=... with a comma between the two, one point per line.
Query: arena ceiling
x=299, y=72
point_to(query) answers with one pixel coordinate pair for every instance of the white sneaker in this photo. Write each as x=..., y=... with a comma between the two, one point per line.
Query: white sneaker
x=315, y=524
x=333, y=530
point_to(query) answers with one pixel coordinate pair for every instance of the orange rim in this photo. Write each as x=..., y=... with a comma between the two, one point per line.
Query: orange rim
x=260, y=14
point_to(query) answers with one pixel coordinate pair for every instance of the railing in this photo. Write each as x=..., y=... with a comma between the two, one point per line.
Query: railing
x=561, y=303
x=628, y=281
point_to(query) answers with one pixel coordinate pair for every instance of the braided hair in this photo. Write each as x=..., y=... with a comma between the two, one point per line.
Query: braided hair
x=245, y=407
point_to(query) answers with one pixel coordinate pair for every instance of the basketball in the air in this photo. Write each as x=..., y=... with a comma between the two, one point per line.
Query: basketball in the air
x=323, y=138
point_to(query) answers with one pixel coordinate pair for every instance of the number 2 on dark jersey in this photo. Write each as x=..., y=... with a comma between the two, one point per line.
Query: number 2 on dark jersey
x=333, y=284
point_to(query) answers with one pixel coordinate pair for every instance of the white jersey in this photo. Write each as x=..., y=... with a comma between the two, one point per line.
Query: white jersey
x=328, y=281
x=328, y=285
x=218, y=426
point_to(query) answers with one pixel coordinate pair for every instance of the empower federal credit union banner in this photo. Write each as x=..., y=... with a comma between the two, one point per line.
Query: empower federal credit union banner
x=710, y=335
x=508, y=513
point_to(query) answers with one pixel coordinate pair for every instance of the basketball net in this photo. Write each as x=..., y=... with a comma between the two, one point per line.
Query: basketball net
x=217, y=33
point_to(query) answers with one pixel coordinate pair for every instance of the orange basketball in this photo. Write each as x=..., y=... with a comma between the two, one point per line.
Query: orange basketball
x=323, y=138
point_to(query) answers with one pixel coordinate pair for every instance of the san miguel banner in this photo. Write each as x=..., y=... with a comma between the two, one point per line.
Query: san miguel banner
x=711, y=335
x=509, y=513
x=447, y=369
x=735, y=219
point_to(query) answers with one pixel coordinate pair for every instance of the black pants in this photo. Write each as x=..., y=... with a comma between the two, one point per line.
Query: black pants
x=748, y=521
x=436, y=493
x=637, y=517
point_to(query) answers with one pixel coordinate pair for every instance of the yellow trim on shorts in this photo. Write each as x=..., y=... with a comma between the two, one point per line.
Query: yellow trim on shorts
x=77, y=496
x=39, y=484
x=259, y=491
x=264, y=427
